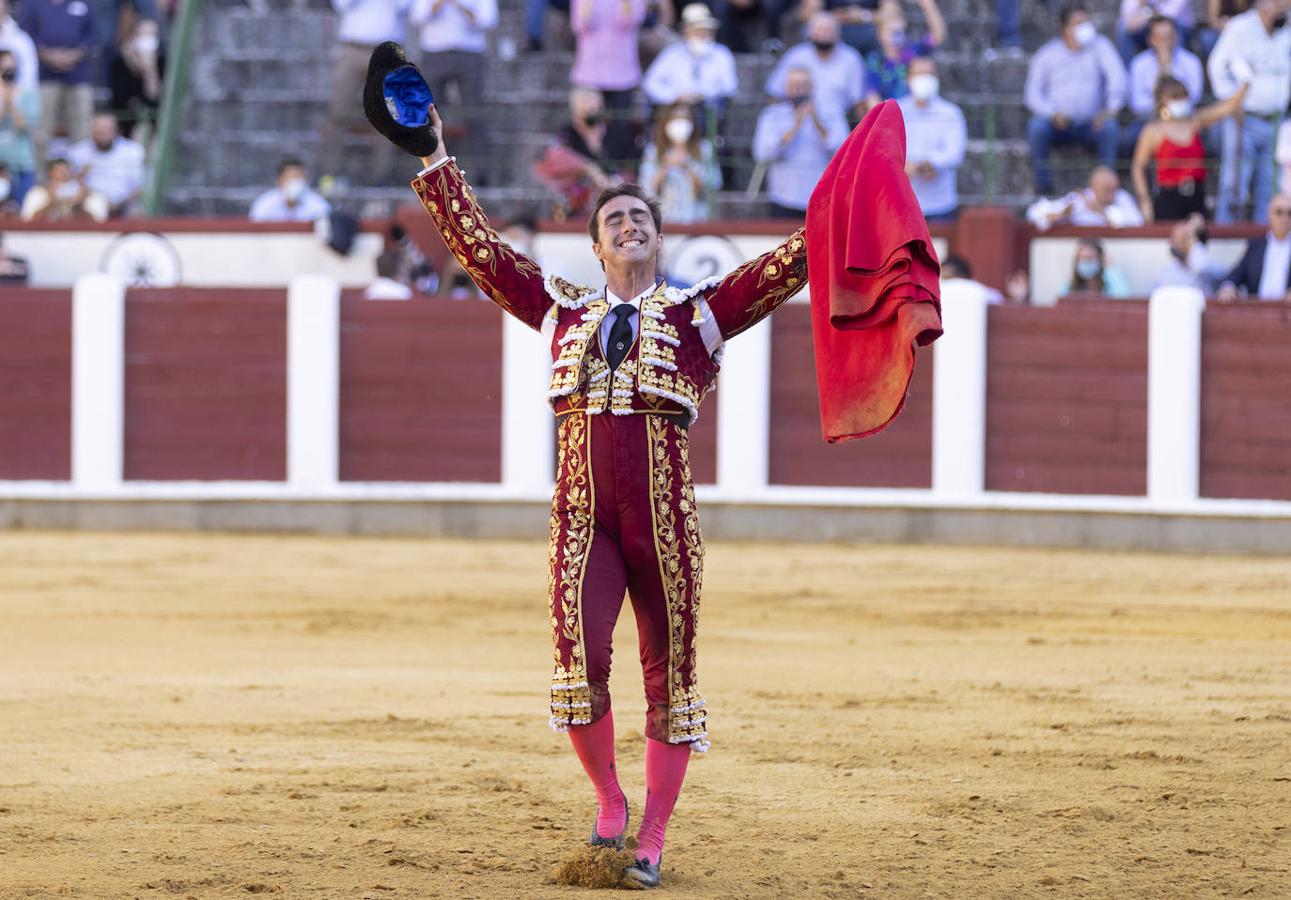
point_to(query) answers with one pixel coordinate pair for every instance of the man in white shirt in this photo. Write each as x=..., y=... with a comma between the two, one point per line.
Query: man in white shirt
x=836, y=70
x=1164, y=56
x=1264, y=271
x=1260, y=41
x=23, y=48
x=361, y=25
x=696, y=70
x=453, y=35
x=290, y=200
x=1101, y=204
x=392, y=278
x=936, y=136
x=110, y=164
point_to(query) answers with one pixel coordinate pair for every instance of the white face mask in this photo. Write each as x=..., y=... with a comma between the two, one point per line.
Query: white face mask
x=147, y=44
x=679, y=130
x=1179, y=109
x=67, y=190
x=924, y=86
x=699, y=44
x=293, y=188
x=1085, y=33
x=5, y=188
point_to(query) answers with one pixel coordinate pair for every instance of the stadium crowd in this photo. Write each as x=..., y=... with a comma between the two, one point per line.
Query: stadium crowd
x=1150, y=101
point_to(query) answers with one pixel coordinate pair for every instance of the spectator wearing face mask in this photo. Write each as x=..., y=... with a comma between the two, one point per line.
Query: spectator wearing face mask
x=19, y=116
x=795, y=139
x=836, y=70
x=290, y=200
x=134, y=77
x=936, y=135
x=1090, y=273
x=62, y=198
x=856, y=19
x=886, y=68
x=110, y=165
x=679, y=167
x=1101, y=204
x=1173, y=142
x=1165, y=56
x=23, y=48
x=574, y=166
x=1075, y=86
x=697, y=70
x=608, y=60
x=1254, y=47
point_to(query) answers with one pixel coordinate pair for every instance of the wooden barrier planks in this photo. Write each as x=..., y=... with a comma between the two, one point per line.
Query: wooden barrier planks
x=35, y=384
x=1066, y=398
x=206, y=384
x=899, y=456
x=1246, y=401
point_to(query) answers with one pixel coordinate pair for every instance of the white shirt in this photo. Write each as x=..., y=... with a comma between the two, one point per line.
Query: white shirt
x=271, y=206
x=610, y=318
x=370, y=22
x=452, y=29
x=676, y=73
x=838, y=82
x=1277, y=261
x=387, y=289
x=1245, y=37
x=23, y=48
x=1145, y=69
x=1122, y=213
x=935, y=133
x=116, y=173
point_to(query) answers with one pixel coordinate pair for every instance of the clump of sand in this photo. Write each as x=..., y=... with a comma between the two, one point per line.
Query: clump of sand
x=595, y=867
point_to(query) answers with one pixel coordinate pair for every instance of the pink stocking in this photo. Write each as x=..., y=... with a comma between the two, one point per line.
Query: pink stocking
x=594, y=745
x=665, y=769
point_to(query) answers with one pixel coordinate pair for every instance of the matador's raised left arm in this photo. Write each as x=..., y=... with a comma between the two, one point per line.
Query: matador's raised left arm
x=756, y=289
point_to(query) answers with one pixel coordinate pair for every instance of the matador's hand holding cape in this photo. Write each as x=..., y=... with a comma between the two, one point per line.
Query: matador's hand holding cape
x=874, y=279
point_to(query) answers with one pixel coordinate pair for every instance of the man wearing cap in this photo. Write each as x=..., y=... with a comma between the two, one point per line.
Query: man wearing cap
x=697, y=70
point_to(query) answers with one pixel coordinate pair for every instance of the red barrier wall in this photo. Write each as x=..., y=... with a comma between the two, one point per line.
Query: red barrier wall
x=35, y=384
x=206, y=384
x=421, y=390
x=899, y=456
x=1246, y=401
x=1066, y=398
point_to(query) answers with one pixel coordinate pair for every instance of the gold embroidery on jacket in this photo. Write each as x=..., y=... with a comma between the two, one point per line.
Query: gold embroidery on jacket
x=782, y=276
x=571, y=696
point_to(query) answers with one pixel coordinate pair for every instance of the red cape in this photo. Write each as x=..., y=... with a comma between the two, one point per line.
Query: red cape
x=874, y=276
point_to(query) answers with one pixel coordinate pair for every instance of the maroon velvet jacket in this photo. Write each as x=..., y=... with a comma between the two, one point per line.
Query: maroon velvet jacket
x=681, y=333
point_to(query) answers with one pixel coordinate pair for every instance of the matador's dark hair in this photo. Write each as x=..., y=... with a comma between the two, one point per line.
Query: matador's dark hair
x=623, y=190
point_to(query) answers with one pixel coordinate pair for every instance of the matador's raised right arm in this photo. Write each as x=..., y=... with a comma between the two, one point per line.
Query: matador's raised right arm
x=507, y=277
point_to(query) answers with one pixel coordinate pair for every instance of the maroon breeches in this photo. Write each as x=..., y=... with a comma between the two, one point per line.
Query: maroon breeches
x=624, y=521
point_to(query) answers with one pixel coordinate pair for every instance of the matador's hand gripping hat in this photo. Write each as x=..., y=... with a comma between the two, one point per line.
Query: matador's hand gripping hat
x=396, y=100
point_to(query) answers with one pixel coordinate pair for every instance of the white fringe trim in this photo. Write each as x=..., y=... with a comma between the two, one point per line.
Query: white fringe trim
x=661, y=336
x=566, y=362
x=569, y=687
x=680, y=295
x=596, y=395
x=661, y=363
x=698, y=744
x=622, y=376
x=561, y=392
x=622, y=412
x=560, y=727
x=654, y=314
x=621, y=392
x=676, y=398
x=571, y=705
x=682, y=709
x=549, y=284
x=599, y=376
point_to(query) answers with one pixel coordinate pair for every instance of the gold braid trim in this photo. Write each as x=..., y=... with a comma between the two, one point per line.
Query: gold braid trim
x=571, y=697
x=687, y=716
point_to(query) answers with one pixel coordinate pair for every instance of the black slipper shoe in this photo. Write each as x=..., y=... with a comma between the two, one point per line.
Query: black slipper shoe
x=644, y=873
x=617, y=841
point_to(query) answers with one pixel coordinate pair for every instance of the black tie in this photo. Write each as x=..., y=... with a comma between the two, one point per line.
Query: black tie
x=620, y=335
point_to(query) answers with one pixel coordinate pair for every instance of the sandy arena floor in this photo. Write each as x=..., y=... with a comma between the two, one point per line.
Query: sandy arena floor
x=198, y=716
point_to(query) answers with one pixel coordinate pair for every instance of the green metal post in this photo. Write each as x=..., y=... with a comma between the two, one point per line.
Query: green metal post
x=172, y=104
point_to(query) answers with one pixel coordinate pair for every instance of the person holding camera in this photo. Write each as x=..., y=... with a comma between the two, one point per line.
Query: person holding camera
x=795, y=139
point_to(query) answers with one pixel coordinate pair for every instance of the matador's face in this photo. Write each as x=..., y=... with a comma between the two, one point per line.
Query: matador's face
x=628, y=236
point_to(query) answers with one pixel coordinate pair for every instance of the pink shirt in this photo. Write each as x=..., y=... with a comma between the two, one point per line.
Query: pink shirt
x=607, y=57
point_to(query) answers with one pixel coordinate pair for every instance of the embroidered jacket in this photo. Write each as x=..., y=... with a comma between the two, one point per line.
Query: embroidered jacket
x=675, y=358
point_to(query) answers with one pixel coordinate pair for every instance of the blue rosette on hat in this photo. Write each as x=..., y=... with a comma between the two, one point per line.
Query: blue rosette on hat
x=396, y=100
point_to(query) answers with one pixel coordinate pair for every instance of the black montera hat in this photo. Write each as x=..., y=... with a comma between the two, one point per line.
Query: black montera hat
x=395, y=100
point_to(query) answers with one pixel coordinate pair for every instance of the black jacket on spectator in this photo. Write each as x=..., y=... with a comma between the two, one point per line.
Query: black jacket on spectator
x=1250, y=268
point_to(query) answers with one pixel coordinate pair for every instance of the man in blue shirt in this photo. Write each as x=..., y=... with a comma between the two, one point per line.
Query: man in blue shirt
x=935, y=139
x=795, y=139
x=64, y=34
